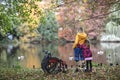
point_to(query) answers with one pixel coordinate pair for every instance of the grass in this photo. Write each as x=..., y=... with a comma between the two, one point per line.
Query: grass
x=99, y=73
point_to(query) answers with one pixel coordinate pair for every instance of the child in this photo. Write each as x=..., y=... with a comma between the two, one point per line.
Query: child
x=80, y=38
x=87, y=55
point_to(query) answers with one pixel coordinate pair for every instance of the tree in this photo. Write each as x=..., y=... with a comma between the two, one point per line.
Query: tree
x=48, y=27
x=8, y=20
x=90, y=14
x=113, y=21
x=14, y=13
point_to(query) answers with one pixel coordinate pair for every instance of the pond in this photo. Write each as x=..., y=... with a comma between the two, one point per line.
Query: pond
x=30, y=55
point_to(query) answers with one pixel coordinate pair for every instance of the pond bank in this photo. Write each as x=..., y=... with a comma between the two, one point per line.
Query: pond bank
x=99, y=73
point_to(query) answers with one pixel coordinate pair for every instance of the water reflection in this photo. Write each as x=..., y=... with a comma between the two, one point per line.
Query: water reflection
x=25, y=55
x=30, y=56
x=66, y=52
x=112, y=53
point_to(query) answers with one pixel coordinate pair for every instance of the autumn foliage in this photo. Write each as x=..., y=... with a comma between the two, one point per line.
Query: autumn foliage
x=90, y=14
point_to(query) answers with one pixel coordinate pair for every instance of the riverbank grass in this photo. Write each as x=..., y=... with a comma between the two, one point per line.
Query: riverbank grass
x=99, y=73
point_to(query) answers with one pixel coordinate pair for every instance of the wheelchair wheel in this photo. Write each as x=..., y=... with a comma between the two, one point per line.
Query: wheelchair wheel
x=49, y=65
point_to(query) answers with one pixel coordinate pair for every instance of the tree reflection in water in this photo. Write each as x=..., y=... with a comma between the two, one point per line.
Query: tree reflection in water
x=32, y=54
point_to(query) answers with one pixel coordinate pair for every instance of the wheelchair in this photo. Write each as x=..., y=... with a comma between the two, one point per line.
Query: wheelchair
x=52, y=65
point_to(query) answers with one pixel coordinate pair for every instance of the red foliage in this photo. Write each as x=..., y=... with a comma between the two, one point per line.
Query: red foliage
x=90, y=14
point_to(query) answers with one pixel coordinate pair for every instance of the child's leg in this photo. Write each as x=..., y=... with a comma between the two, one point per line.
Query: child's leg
x=77, y=63
x=76, y=70
x=81, y=57
x=87, y=65
x=90, y=61
x=76, y=56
